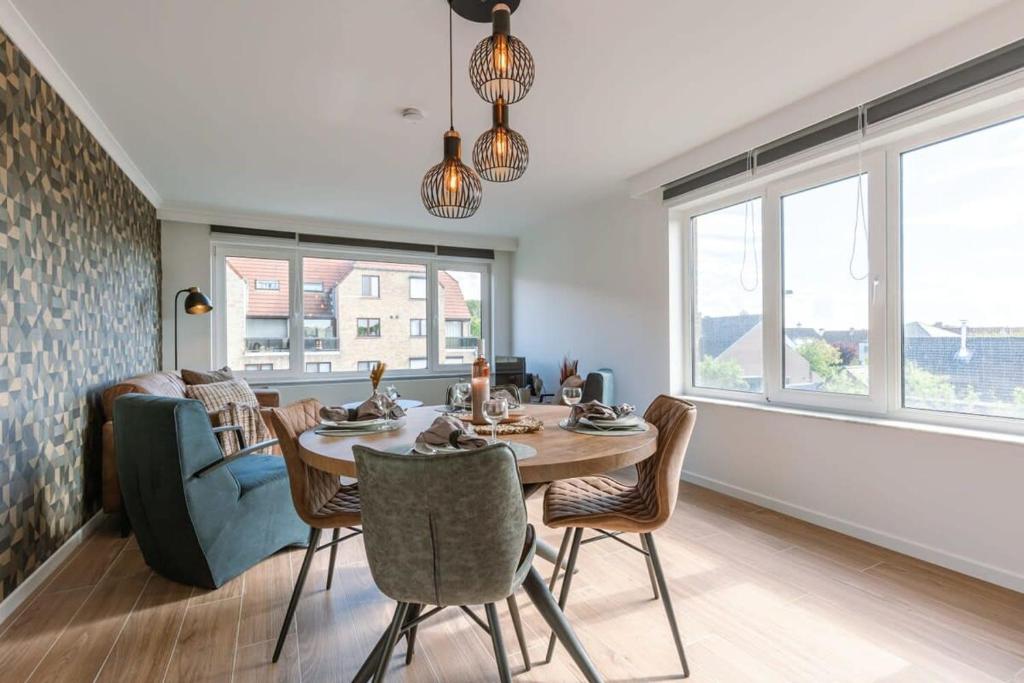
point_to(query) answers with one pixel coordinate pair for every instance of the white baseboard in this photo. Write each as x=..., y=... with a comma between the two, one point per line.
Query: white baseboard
x=12, y=602
x=958, y=563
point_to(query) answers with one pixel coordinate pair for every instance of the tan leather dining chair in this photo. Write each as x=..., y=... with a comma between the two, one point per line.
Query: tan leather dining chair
x=320, y=499
x=611, y=507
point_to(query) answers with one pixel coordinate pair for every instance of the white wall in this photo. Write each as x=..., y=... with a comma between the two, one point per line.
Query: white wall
x=594, y=284
x=186, y=262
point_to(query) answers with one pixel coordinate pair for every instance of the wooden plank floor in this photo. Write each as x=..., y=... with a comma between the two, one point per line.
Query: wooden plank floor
x=760, y=597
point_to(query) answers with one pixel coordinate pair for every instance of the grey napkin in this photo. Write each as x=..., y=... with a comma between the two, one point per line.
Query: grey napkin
x=371, y=409
x=337, y=414
x=377, y=406
x=595, y=410
x=448, y=431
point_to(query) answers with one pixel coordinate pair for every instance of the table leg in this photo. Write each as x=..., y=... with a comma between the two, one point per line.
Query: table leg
x=545, y=603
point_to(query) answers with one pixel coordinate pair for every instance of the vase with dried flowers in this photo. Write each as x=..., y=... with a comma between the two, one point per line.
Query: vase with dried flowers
x=568, y=377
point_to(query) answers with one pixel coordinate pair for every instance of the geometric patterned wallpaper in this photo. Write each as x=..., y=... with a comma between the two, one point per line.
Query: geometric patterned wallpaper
x=79, y=293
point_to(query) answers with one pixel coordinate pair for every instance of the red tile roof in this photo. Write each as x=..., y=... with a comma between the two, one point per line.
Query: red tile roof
x=273, y=303
x=454, y=302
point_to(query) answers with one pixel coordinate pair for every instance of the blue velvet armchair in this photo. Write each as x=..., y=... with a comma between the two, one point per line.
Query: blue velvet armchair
x=200, y=518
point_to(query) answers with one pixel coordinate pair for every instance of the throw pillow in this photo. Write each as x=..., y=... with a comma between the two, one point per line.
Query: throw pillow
x=232, y=403
x=211, y=377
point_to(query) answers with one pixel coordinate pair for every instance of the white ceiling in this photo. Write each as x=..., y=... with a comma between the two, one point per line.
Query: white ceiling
x=292, y=107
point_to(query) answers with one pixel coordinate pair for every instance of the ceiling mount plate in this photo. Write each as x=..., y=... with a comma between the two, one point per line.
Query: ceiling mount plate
x=480, y=10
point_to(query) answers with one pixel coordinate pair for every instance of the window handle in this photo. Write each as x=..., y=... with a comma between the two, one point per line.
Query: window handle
x=875, y=281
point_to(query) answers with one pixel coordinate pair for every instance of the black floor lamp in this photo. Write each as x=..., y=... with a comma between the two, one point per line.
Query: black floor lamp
x=196, y=303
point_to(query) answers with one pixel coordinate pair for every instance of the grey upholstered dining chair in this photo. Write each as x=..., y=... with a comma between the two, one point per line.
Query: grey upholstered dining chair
x=450, y=530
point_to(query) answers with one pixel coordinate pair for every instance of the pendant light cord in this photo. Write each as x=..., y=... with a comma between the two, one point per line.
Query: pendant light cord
x=451, y=70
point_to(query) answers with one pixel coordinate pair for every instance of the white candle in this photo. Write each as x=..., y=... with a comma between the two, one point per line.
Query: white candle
x=480, y=391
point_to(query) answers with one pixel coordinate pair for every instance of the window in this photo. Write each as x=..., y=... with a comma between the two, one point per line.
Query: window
x=825, y=299
x=962, y=237
x=727, y=323
x=370, y=286
x=331, y=320
x=417, y=288
x=888, y=282
x=318, y=367
x=460, y=295
x=368, y=327
x=366, y=365
x=256, y=321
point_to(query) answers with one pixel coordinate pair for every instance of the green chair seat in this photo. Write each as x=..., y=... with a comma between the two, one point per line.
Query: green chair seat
x=256, y=470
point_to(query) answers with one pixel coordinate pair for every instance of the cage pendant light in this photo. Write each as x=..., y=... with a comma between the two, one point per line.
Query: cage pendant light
x=501, y=66
x=451, y=189
x=500, y=154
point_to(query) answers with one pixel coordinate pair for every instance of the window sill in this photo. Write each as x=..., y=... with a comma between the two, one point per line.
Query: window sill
x=296, y=381
x=885, y=422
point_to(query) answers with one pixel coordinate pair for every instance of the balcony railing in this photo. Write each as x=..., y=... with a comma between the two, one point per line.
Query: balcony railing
x=278, y=344
x=266, y=344
x=321, y=343
x=460, y=342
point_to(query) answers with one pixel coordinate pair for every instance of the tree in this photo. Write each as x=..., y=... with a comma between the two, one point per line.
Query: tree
x=824, y=359
x=474, y=317
x=721, y=373
x=927, y=388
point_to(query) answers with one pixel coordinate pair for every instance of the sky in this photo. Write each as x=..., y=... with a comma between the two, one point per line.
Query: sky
x=469, y=283
x=963, y=232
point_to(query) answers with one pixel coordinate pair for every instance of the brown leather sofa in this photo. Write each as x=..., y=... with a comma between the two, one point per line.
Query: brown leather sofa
x=158, y=384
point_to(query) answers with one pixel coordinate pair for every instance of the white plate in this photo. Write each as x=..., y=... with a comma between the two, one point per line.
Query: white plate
x=354, y=424
x=584, y=429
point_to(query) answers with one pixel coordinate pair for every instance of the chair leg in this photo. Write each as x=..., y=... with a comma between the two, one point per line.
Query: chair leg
x=314, y=539
x=392, y=637
x=561, y=556
x=334, y=554
x=517, y=623
x=548, y=609
x=660, y=576
x=650, y=566
x=410, y=635
x=563, y=597
x=496, y=641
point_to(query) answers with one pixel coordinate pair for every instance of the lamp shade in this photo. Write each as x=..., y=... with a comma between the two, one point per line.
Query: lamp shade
x=196, y=303
x=501, y=66
x=501, y=154
x=451, y=189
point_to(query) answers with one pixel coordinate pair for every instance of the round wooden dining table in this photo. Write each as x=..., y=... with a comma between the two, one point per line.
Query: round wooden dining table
x=561, y=454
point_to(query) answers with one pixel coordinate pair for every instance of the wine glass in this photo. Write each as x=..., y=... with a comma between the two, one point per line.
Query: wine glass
x=572, y=395
x=460, y=394
x=495, y=412
x=392, y=394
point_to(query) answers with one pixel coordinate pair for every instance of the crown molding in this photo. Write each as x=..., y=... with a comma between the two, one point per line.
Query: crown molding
x=24, y=36
x=210, y=215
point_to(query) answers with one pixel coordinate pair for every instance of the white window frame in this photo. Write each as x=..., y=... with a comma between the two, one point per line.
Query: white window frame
x=773, y=280
x=294, y=253
x=690, y=293
x=894, y=244
x=881, y=158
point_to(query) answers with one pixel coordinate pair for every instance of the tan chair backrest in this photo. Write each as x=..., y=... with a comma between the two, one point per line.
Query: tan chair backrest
x=311, y=488
x=658, y=476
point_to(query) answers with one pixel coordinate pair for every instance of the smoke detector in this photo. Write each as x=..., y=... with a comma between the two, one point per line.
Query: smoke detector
x=412, y=114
